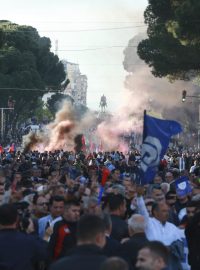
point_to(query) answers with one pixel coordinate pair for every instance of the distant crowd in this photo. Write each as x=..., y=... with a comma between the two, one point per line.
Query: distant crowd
x=65, y=210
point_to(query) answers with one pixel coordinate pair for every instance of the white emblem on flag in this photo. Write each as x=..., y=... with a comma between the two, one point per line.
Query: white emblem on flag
x=151, y=150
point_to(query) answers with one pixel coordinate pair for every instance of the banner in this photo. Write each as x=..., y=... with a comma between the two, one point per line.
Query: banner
x=183, y=187
x=156, y=137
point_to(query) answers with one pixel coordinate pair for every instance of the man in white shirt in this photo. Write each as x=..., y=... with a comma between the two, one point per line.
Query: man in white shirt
x=158, y=228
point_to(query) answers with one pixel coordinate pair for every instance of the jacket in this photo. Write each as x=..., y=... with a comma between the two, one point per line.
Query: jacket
x=84, y=257
x=20, y=251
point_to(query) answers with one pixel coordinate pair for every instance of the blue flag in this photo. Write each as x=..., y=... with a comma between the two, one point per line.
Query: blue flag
x=183, y=187
x=156, y=137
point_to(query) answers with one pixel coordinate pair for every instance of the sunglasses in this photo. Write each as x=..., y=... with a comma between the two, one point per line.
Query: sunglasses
x=41, y=204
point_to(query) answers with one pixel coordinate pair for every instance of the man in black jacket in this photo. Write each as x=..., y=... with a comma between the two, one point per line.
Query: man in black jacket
x=18, y=251
x=192, y=233
x=129, y=250
x=117, y=210
x=64, y=231
x=90, y=240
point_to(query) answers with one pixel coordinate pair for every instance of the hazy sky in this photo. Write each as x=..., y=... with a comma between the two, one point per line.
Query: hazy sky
x=92, y=33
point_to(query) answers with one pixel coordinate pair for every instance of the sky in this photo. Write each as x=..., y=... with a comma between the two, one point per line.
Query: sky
x=92, y=33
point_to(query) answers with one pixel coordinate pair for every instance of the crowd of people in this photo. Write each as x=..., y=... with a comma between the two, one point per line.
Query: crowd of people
x=56, y=214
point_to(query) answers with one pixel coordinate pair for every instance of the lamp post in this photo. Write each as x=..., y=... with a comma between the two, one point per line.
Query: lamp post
x=184, y=95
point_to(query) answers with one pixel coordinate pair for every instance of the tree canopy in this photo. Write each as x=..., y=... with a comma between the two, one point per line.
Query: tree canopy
x=28, y=69
x=172, y=47
x=54, y=102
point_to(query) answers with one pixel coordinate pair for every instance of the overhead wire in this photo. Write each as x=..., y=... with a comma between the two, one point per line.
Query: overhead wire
x=75, y=30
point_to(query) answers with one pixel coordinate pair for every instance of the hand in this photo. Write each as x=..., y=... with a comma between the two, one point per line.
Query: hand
x=140, y=191
x=30, y=228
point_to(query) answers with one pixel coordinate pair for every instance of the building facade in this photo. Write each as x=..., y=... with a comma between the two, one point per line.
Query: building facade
x=77, y=88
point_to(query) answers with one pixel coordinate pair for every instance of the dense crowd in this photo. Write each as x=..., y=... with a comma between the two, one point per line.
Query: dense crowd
x=55, y=214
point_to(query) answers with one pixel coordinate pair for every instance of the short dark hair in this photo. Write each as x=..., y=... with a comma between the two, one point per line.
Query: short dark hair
x=56, y=198
x=170, y=194
x=115, y=201
x=89, y=226
x=114, y=263
x=72, y=202
x=158, y=249
x=8, y=214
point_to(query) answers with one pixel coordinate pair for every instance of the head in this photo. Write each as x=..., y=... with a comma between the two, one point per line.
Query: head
x=92, y=206
x=169, y=177
x=165, y=187
x=115, y=175
x=114, y=263
x=117, y=204
x=157, y=193
x=136, y=224
x=56, y=206
x=170, y=198
x=153, y=256
x=91, y=230
x=40, y=205
x=36, y=172
x=157, y=179
x=130, y=187
x=59, y=190
x=17, y=177
x=72, y=211
x=160, y=211
x=8, y=216
x=191, y=208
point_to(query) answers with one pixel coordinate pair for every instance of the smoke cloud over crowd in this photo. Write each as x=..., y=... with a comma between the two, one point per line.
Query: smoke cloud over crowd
x=142, y=91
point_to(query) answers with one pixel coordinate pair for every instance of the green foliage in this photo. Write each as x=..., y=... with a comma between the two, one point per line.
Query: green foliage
x=26, y=63
x=172, y=47
x=55, y=101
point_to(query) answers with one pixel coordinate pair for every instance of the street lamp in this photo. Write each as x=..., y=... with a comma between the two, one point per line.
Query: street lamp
x=184, y=94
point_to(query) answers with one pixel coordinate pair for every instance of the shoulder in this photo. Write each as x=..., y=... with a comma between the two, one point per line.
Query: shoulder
x=43, y=219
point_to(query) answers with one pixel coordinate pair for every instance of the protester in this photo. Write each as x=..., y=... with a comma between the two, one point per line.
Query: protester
x=56, y=207
x=63, y=237
x=90, y=241
x=18, y=250
x=117, y=210
x=33, y=180
x=112, y=246
x=153, y=256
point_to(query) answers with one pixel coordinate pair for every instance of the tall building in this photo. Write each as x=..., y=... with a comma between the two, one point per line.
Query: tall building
x=77, y=88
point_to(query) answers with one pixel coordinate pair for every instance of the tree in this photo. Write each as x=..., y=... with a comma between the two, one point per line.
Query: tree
x=55, y=101
x=28, y=69
x=172, y=47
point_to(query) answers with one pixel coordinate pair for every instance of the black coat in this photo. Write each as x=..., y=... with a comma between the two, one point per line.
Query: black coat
x=119, y=228
x=129, y=250
x=192, y=233
x=84, y=257
x=20, y=251
x=111, y=247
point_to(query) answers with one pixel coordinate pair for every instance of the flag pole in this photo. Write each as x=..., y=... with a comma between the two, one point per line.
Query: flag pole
x=145, y=112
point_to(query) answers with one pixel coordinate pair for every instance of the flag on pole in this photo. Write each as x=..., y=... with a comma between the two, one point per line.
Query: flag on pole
x=156, y=137
x=105, y=174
